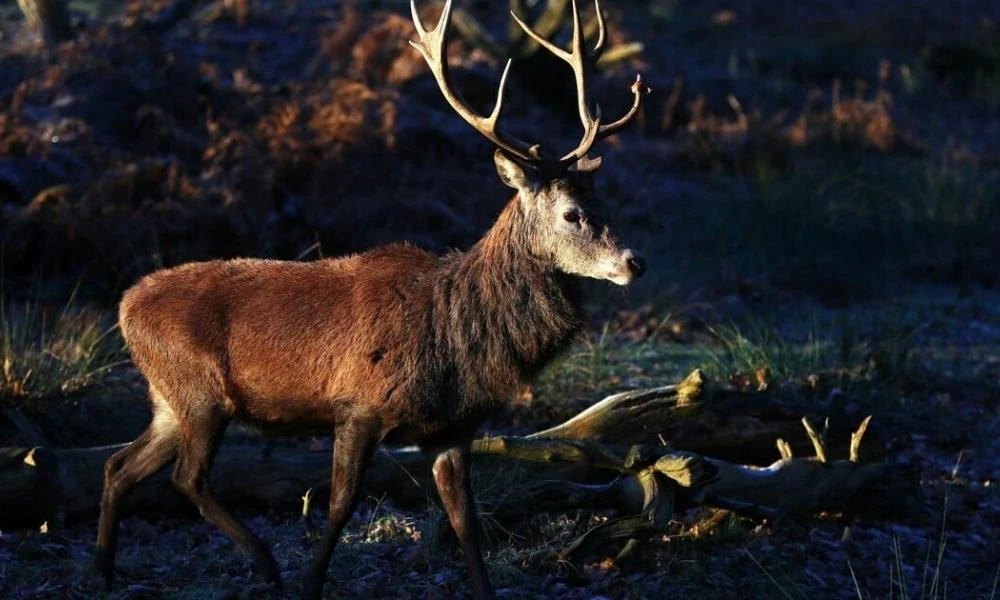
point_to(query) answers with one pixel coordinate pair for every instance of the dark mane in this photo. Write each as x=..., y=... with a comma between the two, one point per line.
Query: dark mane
x=501, y=314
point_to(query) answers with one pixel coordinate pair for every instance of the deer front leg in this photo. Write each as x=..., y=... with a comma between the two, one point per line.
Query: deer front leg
x=451, y=474
x=353, y=445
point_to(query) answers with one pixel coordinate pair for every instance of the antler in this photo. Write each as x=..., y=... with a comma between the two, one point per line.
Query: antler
x=581, y=64
x=432, y=45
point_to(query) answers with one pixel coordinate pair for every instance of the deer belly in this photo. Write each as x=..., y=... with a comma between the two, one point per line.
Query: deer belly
x=293, y=413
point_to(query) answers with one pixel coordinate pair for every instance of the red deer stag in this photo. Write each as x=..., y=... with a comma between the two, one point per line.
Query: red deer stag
x=393, y=345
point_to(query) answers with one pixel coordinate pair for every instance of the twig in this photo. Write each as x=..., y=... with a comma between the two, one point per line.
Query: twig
x=672, y=100
x=737, y=108
x=784, y=448
x=819, y=443
x=307, y=522
x=856, y=439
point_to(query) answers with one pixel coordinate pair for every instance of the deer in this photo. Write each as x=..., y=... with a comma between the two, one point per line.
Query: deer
x=395, y=345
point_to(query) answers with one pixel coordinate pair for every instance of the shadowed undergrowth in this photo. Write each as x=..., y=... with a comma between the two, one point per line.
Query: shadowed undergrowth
x=839, y=229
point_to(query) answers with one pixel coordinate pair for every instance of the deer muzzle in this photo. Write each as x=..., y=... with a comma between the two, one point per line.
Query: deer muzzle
x=629, y=266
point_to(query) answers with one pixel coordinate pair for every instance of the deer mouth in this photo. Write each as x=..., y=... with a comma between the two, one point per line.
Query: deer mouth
x=621, y=279
x=631, y=267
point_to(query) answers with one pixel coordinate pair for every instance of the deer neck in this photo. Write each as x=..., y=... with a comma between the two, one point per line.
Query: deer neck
x=517, y=312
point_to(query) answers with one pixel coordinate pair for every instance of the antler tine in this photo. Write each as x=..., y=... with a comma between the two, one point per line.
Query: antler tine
x=577, y=27
x=640, y=90
x=579, y=64
x=599, y=45
x=576, y=58
x=433, y=45
x=417, y=22
x=544, y=43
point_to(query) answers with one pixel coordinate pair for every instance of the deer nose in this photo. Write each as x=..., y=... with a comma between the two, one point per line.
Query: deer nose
x=636, y=264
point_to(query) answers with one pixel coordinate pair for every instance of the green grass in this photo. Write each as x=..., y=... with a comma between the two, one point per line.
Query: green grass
x=883, y=348
x=868, y=351
x=605, y=362
x=48, y=352
x=764, y=348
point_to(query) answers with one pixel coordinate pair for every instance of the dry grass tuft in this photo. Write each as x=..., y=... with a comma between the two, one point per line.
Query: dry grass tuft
x=52, y=352
x=352, y=113
x=383, y=56
x=858, y=122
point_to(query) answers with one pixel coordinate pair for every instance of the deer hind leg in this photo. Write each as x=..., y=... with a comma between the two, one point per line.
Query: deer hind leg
x=353, y=445
x=452, y=476
x=149, y=453
x=201, y=435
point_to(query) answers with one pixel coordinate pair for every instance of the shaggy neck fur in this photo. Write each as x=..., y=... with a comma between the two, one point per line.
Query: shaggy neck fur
x=507, y=312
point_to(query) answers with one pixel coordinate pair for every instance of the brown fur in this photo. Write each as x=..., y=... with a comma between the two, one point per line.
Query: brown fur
x=395, y=344
x=431, y=345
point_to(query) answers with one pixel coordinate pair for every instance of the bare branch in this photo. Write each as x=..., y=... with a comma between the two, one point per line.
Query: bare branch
x=818, y=440
x=856, y=439
x=307, y=522
x=784, y=448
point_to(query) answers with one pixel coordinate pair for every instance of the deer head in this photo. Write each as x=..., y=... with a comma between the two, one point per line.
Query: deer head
x=566, y=221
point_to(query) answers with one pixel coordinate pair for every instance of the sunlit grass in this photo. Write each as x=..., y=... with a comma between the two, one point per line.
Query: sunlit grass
x=854, y=350
x=46, y=351
x=604, y=362
x=762, y=348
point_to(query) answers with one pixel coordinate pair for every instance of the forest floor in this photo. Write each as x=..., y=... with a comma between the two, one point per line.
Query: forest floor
x=938, y=405
x=815, y=188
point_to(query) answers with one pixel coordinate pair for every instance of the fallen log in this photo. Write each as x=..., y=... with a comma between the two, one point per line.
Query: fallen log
x=728, y=424
x=38, y=484
x=658, y=481
x=608, y=457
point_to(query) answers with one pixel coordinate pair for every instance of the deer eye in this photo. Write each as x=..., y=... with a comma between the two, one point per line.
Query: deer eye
x=572, y=216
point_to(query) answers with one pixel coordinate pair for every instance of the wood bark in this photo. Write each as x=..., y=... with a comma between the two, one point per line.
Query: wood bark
x=39, y=484
x=731, y=425
x=608, y=457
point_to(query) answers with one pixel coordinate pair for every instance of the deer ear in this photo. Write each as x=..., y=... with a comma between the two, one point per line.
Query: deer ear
x=513, y=173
